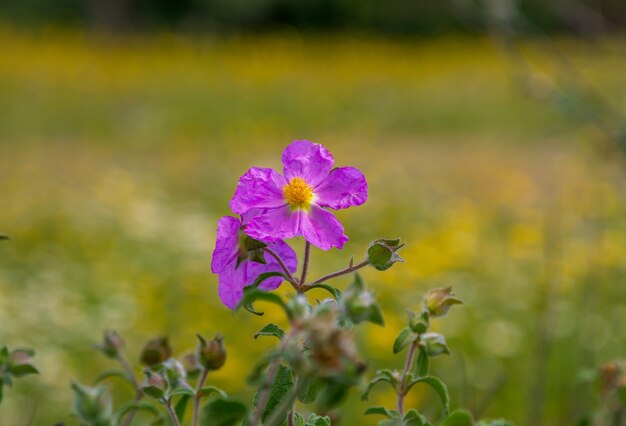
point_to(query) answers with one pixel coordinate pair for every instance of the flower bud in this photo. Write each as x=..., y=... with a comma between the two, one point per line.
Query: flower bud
x=435, y=344
x=92, y=405
x=331, y=347
x=299, y=307
x=154, y=379
x=154, y=385
x=111, y=344
x=174, y=372
x=211, y=355
x=381, y=254
x=156, y=351
x=418, y=323
x=191, y=364
x=439, y=300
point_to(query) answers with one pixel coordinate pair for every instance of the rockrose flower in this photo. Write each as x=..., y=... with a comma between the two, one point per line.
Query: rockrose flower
x=294, y=203
x=229, y=246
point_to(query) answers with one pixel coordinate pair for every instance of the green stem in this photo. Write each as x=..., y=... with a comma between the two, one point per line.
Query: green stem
x=345, y=271
x=402, y=391
x=271, y=375
x=277, y=416
x=138, y=392
x=305, y=266
x=280, y=261
x=196, y=404
x=173, y=415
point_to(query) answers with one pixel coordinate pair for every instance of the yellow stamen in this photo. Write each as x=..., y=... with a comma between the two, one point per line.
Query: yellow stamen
x=298, y=193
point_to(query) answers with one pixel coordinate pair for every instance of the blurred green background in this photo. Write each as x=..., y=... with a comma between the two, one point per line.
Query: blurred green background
x=496, y=153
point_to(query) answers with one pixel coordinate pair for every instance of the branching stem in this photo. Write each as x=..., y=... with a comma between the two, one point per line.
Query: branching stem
x=138, y=392
x=305, y=266
x=345, y=271
x=292, y=280
x=196, y=403
x=402, y=391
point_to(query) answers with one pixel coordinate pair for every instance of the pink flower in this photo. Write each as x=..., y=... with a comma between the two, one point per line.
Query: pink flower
x=295, y=204
x=232, y=278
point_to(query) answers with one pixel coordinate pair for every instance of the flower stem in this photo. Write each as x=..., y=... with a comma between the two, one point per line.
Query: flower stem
x=402, y=391
x=287, y=404
x=305, y=265
x=271, y=375
x=173, y=415
x=345, y=271
x=138, y=393
x=196, y=404
x=280, y=261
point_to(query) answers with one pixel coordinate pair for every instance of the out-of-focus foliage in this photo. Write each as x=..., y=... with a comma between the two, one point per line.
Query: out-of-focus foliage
x=397, y=17
x=117, y=156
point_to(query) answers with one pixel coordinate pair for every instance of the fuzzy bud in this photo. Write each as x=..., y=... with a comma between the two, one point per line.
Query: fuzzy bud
x=156, y=351
x=211, y=355
x=111, y=344
x=435, y=344
x=439, y=300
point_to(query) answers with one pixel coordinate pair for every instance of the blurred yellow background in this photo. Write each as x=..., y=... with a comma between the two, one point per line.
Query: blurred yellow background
x=118, y=155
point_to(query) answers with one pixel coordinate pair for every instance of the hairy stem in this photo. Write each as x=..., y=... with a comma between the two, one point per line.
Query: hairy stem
x=196, y=403
x=271, y=375
x=173, y=415
x=138, y=392
x=287, y=404
x=305, y=265
x=280, y=261
x=345, y=271
x=407, y=369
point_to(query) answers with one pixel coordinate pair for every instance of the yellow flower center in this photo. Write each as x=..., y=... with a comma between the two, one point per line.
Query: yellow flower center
x=298, y=193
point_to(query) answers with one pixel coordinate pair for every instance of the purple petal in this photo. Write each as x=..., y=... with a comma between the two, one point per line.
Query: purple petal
x=344, y=187
x=247, y=216
x=254, y=269
x=258, y=188
x=322, y=229
x=310, y=161
x=226, y=243
x=230, y=285
x=275, y=225
x=232, y=281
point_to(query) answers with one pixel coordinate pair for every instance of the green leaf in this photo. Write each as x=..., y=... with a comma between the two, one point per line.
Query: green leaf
x=279, y=389
x=136, y=405
x=112, y=373
x=182, y=390
x=315, y=420
x=153, y=392
x=21, y=370
x=333, y=394
x=206, y=391
x=496, y=422
x=332, y=290
x=264, y=276
x=374, y=382
x=251, y=295
x=414, y=418
x=181, y=407
x=4, y=237
x=382, y=411
x=439, y=387
x=423, y=363
x=459, y=418
x=222, y=412
x=404, y=339
x=309, y=394
x=298, y=419
x=271, y=330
